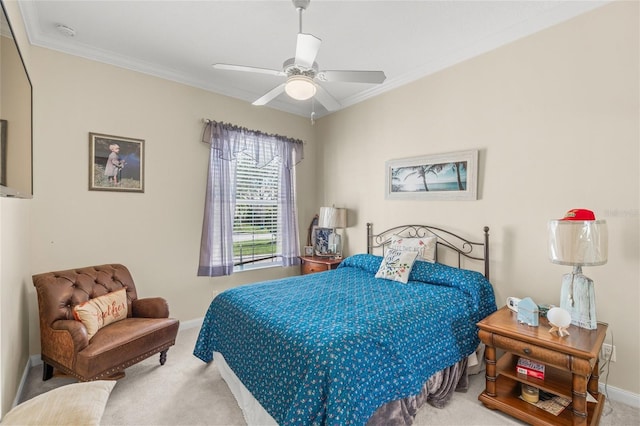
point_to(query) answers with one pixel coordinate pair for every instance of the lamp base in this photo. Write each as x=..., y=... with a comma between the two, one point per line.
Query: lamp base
x=335, y=244
x=579, y=299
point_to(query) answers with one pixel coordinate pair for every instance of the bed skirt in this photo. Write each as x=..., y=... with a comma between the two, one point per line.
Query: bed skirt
x=436, y=391
x=252, y=411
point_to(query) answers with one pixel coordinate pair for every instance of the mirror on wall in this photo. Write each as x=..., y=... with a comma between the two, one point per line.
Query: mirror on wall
x=16, y=143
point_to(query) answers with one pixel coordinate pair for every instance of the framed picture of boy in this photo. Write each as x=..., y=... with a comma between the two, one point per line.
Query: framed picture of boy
x=115, y=163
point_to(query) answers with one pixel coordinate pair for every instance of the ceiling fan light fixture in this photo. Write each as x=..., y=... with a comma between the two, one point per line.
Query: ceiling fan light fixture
x=300, y=87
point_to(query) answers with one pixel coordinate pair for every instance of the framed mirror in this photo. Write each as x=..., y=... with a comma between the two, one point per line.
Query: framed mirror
x=16, y=127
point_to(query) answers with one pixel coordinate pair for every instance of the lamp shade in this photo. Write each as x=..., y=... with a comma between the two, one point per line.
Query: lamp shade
x=300, y=87
x=577, y=242
x=331, y=217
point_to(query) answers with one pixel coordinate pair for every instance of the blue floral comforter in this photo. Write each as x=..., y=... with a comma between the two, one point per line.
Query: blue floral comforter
x=332, y=347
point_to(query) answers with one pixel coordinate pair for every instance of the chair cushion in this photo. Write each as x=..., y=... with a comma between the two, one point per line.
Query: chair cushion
x=123, y=343
x=74, y=404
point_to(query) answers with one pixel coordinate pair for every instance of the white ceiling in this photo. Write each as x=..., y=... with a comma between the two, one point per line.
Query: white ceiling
x=180, y=40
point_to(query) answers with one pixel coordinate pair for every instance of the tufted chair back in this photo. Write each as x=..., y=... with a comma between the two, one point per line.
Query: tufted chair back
x=66, y=289
x=64, y=341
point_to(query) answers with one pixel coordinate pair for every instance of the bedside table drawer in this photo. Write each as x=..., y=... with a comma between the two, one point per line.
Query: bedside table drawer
x=313, y=264
x=527, y=350
x=310, y=268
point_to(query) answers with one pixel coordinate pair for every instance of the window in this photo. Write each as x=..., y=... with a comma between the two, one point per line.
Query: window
x=255, y=222
x=250, y=203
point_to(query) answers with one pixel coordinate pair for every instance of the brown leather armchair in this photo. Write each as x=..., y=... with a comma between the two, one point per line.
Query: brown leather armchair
x=145, y=331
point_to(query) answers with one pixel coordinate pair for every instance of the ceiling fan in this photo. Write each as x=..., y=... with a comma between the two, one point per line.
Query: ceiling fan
x=302, y=71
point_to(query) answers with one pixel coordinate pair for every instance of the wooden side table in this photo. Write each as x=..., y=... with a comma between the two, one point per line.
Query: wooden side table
x=312, y=264
x=571, y=369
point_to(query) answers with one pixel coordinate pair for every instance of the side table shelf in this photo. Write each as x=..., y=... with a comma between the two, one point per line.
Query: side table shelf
x=508, y=401
x=555, y=380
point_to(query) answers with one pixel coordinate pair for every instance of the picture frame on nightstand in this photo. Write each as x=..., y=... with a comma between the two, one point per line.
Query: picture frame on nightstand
x=321, y=237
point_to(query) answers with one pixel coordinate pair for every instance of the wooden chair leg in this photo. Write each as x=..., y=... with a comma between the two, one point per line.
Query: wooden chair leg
x=163, y=356
x=47, y=371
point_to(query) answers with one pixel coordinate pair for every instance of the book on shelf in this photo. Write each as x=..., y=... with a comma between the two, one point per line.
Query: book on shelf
x=530, y=368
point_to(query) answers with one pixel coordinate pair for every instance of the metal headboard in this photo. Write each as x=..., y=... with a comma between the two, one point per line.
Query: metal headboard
x=447, y=240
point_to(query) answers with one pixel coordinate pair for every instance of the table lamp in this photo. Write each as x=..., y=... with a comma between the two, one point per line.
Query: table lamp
x=332, y=218
x=578, y=240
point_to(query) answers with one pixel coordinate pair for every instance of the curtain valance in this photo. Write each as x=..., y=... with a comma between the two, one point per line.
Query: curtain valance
x=228, y=140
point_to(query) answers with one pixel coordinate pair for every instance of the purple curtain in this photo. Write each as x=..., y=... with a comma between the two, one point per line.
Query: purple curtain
x=227, y=141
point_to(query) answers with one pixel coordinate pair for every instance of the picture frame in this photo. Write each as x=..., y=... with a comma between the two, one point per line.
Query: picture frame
x=321, y=237
x=112, y=169
x=448, y=176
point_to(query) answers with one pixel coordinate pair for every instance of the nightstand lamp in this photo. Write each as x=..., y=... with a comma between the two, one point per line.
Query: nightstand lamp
x=578, y=240
x=333, y=218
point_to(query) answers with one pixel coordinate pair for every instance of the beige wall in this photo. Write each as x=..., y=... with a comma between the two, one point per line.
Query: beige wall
x=15, y=281
x=555, y=117
x=15, y=270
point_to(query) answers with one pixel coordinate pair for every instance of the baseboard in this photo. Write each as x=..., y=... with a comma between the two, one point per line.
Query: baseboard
x=620, y=395
x=185, y=325
x=34, y=360
x=23, y=380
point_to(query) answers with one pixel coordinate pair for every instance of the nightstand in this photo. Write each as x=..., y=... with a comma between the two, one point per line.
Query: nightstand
x=571, y=369
x=312, y=264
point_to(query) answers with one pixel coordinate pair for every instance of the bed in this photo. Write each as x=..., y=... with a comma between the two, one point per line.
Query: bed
x=347, y=347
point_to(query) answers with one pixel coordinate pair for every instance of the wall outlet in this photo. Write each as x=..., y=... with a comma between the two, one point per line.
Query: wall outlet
x=608, y=352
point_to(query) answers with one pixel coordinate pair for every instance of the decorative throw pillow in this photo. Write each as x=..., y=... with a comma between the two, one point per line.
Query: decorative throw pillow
x=396, y=265
x=74, y=404
x=101, y=311
x=425, y=246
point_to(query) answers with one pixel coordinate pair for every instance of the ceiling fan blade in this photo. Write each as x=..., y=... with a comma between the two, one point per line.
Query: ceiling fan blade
x=307, y=48
x=243, y=68
x=270, y=95
x=372, y=77
x=328, y=101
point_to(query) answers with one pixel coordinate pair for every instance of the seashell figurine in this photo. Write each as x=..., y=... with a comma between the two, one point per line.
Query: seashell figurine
x=559, y=319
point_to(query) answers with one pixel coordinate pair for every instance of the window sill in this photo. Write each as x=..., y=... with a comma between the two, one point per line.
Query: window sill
x=253, y=267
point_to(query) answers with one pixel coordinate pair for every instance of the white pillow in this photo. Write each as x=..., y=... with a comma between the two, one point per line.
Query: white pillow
x=425, y=246
x=397, y=265
x=74, y=404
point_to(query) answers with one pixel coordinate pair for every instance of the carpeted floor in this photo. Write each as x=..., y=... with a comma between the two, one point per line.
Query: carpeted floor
x=186, y=391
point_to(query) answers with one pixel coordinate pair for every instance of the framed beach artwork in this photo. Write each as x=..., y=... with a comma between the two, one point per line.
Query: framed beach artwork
x=450, y=176
x=116, y=163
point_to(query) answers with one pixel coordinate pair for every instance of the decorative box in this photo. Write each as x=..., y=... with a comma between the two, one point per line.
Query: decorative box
x=528, y=312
